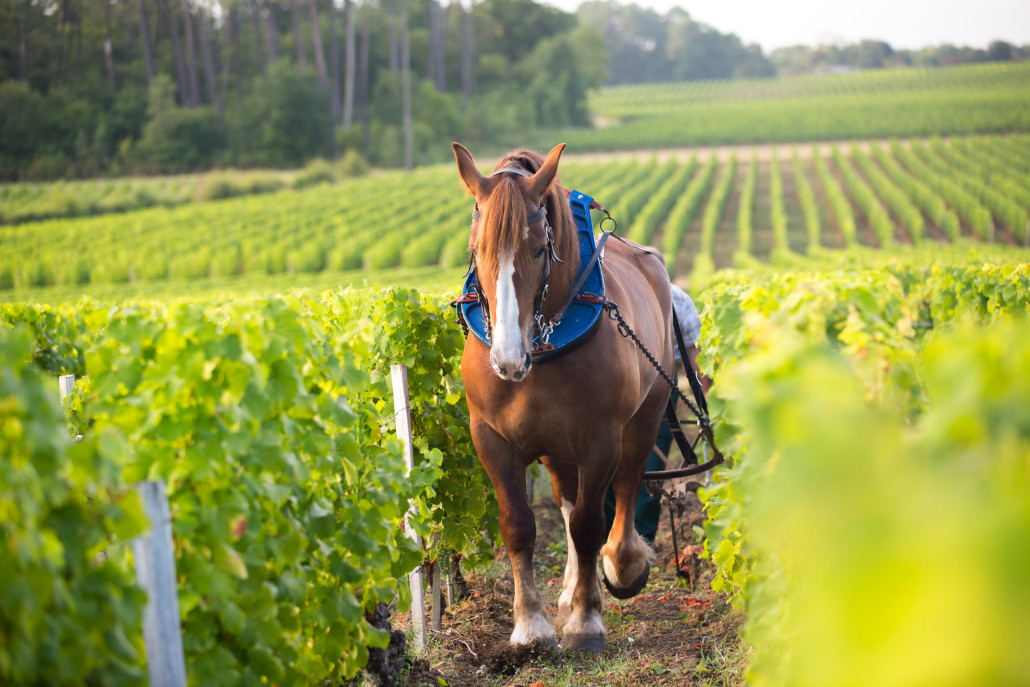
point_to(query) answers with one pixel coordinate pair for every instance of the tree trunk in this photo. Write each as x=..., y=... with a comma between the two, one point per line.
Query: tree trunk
x=232, y=29
x=299, y=54
x=348, y=84
x=62, y=14
x=270, y=33
x=191, y=56
x=316, y=39
x=442, y=23
x=366, y=34
x=406, y=95
x=394, y=53
x=78, y=43
x=434, y=19
x=23, y=49
x=148, y=49
x=210, y=80
x=466, y=58
x=180, y=67
x=255, y=15
x=334, y=66
x=108, y=51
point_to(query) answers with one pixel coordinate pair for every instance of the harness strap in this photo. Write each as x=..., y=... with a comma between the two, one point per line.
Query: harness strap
x=583, y=276
x=689, y=457
x=514, y=170
x=692, y=378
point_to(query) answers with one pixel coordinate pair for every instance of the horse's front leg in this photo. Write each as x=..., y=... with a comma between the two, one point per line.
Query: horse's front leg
x=507, y=470
x=584, y=630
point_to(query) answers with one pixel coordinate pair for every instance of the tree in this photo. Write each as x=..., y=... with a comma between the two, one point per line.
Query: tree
x=406, y=94
x=299, y=54
x=349, y=62
x=180, y=66
x=176, y=139
x=557, y=91
x=191, y=56
x=999, y=51
x=284, y=121
x=148, y=48
x=316, y=40
x=334, y=65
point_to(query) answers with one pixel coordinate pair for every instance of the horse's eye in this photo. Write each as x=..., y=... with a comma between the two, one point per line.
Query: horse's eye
x=538, y=253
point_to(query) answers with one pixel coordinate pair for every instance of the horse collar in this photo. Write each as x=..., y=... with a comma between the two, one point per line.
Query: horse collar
x=576, y=320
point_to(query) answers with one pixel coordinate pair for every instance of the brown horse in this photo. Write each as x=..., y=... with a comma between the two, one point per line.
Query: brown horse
x=590, y=416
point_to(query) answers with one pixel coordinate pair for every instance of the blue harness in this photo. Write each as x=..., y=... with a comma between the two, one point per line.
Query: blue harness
x=581, y=316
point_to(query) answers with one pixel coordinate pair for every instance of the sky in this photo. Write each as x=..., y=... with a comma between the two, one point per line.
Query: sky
x=902, y=23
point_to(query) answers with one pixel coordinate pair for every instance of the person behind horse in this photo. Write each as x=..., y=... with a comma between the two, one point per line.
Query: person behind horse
x=648, y=508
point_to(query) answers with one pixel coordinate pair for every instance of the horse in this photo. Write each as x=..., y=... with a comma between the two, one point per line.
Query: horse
x=590, y=415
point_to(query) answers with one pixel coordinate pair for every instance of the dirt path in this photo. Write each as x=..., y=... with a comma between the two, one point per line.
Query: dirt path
x=668, y=635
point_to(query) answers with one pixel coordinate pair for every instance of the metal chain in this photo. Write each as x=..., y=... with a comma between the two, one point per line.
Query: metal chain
x=626, y=331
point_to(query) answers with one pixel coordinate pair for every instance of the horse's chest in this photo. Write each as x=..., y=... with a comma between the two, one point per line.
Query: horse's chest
x=535, y=422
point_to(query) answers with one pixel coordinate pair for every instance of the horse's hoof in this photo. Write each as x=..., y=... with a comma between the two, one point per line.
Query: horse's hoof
x=588, y=644
x=630, y=591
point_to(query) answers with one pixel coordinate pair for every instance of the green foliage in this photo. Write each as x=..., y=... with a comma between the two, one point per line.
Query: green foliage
x=658, y=203
x=809, y=207
x=805, y=363
x=777, y=211
x=60, y=341
x=176, y=139
x=685, y=210
x=864, y=197
x=270, y=420
x=70, y=612
x=285, y=121
x=318, y=171
x=704, y=262
x=838, y=200
x=556, y=89
x=899, y=202
x=420, y=332
x=647, y=45
x=966, y=205
x=746, y=211
x=20, y=112
x=870, y=104
x=241, y=406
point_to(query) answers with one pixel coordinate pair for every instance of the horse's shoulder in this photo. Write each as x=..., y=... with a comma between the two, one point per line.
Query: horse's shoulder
x=647, y=261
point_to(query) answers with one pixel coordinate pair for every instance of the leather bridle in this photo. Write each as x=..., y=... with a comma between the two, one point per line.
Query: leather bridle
x=542, y=330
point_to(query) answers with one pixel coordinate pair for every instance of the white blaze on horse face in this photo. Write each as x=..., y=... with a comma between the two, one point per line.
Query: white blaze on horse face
x=508, y=353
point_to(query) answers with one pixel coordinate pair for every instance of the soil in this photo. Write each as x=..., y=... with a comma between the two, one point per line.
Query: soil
x=670, y=634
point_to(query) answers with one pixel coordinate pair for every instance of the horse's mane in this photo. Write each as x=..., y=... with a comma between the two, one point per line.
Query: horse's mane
x=506, y=217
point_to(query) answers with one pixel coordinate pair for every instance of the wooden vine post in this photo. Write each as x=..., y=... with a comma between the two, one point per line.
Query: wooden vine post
x=402, y=414
x=154, y=558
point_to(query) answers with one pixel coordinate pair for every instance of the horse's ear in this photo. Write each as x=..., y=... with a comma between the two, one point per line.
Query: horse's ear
x=539, y=182
x=467, y=169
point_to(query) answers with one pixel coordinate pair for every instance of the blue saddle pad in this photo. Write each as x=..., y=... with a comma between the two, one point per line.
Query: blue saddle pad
x=580, y=319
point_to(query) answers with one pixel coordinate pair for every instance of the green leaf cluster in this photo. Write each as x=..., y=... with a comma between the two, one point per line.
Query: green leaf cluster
x=271, y=421
x=873, y=518
x=70, y=611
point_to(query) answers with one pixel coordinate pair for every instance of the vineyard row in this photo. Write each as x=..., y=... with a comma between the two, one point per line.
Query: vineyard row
x=889, y=194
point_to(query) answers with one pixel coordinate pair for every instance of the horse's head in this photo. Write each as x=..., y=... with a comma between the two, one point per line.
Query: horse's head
x=521, y=232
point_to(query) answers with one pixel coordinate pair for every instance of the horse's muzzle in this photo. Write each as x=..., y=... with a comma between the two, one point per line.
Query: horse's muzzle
x=511, y=371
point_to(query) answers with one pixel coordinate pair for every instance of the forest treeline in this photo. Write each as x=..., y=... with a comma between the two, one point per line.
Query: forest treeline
x=874, y=54
x=100, y=87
